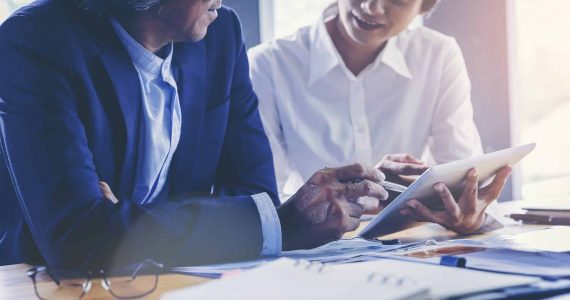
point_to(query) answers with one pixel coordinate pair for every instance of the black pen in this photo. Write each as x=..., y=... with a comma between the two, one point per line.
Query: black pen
x=540, y=219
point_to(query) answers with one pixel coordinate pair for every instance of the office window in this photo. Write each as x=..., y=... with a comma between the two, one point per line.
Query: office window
x=541, y=94
x=9, y=6
x=291, y=15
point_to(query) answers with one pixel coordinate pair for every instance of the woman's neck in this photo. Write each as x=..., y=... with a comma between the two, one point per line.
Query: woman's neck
x=356, y=56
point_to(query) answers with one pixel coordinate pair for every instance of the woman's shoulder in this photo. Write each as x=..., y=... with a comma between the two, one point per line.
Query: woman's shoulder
x=291, y=47
x=422, y=38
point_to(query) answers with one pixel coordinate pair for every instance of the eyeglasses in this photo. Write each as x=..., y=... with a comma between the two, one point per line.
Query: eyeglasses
x=50, y=283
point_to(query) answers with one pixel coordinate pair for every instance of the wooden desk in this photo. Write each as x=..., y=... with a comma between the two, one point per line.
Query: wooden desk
x=14, y=283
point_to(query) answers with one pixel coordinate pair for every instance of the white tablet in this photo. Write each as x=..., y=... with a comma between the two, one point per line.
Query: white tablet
x=452, y=174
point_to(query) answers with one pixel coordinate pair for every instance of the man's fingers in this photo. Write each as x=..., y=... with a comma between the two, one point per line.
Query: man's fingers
x=357, y=172
x=369, y=205
x=365, y=188
x=494, y=189
x=107, y=192
x=423, y=212
x=447, y=199
x=344, y=216
x=352, y=224
x=354, y=210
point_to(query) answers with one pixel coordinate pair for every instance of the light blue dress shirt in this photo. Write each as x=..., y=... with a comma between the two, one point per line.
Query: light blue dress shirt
x=159, y=129
x=159, y=126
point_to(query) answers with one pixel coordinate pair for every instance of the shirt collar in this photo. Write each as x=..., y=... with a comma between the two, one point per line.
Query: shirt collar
x=393, y=57
x=325, y=56
x=141, y=57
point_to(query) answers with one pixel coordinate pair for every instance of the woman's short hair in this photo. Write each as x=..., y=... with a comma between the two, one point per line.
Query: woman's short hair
x=119, y=8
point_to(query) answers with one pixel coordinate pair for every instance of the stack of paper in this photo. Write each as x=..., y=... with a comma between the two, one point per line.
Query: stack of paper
x=341, y=251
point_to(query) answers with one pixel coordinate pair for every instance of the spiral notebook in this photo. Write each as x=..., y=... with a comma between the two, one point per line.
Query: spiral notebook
x=295, y=279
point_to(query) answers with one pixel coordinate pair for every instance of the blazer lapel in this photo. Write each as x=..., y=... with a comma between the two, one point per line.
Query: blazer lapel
x=190, y=73
x=124, y=78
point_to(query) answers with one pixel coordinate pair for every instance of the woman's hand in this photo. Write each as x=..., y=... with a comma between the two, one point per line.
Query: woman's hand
x=467, y=214
x=399, y=168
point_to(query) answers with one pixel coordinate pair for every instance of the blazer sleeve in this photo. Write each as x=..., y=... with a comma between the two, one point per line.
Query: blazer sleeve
x=52, y=172
x=246, y=164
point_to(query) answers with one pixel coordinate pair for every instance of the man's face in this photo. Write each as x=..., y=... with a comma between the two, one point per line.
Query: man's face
x=188, y=20
x=373, y=22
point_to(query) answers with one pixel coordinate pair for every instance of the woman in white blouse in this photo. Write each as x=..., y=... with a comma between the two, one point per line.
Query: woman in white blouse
x=361, y=84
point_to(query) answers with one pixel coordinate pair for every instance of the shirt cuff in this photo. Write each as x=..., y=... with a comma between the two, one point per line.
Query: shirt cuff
x=270, y=225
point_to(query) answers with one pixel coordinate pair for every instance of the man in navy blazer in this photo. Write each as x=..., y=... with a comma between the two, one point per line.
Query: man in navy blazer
x=78, y=124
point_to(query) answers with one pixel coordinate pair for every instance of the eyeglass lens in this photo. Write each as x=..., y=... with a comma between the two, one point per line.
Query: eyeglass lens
x=68, y=289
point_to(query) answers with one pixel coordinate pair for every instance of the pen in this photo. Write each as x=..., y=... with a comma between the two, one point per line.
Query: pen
x=393, y=186
x=540, y=219
x=388, y=185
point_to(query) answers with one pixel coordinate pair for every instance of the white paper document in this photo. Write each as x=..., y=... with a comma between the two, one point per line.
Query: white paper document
x=286, y=279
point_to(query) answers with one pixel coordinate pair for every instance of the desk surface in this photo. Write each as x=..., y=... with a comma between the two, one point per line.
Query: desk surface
x=14, y=283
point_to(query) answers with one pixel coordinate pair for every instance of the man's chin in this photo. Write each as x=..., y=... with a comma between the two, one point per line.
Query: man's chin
x=198, y=36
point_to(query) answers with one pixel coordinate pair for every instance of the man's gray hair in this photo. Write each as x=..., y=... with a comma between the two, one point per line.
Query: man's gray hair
x=119, y=8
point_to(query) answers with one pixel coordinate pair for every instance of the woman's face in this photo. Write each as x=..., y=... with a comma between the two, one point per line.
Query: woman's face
x=189, y=19
x=373, y=22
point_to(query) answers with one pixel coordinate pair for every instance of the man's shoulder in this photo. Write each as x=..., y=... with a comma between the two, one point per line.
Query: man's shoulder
x=48, y=26
x=44, y=18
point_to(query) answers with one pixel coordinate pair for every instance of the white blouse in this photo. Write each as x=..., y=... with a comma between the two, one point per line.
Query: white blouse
x=414, y=98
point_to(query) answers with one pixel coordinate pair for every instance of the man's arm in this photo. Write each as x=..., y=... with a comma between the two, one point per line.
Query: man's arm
x=246, y=164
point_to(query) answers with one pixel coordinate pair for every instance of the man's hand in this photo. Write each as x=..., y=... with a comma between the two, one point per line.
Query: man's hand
x=467, y=215
x=107, y=192
x=325, y=207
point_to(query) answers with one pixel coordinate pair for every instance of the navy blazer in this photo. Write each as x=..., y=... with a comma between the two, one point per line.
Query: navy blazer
x=70, y=99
